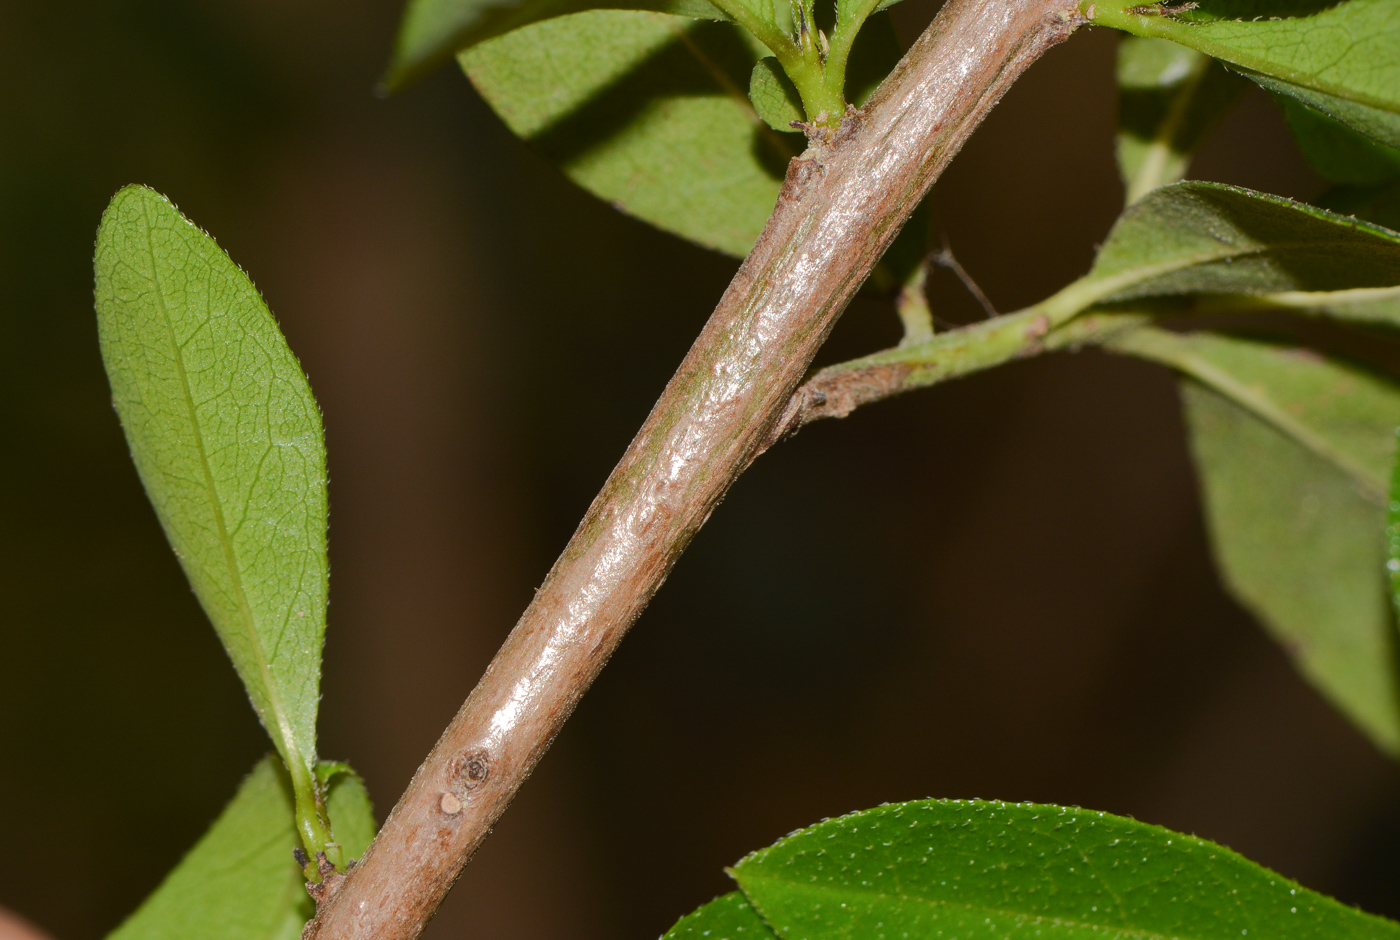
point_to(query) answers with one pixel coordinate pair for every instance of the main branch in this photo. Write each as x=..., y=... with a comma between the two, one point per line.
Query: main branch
x=842, y=203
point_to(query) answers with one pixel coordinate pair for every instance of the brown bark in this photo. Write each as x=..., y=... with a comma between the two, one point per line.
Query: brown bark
x=841, y=205
x=14, y=927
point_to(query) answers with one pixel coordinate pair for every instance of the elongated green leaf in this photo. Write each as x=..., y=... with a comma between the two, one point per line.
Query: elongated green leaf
x=240, y=881
x=947, y=869
x=1204, y=238
x=1341, y=58
x=651, y=113
x=728, y=917
x=227, y=438
x=1169, y=97
x=1293, y=452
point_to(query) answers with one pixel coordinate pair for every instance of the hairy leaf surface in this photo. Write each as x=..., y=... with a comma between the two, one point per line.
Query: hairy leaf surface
x=1169, y=98
x=968, y=868
x=240, y=882
x=1293, y=452
x=227, y=439
x=1205, y=238
x=1341, y=58
x=728, y=917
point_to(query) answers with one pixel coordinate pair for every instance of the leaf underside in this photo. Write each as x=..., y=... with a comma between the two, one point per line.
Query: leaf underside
x=1293, y=454
x=240, y=882
x=227, y=439
x=1302, y=549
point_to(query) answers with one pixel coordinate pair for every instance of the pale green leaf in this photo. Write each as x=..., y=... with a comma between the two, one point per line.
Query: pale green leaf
x=1341, y=58
x=728, y=917
x=946, y=869
x=227, y=439
x=1169, y=97
x=240, y=881
x=646, y=111
x=1205, y=238
x=433, y=31
x=773, y=95
x=1294, y=453
x=651, y=113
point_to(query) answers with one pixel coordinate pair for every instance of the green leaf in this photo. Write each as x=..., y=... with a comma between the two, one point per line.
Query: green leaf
x=650, y=112
x=968, y=868
x=646, y=111
x=433, y=31
x=227, y=439
x=1294, y=453
x=774, y=96
x=1169, y=98
x=728, y=917
x=1336, y=151
x=1378, y=306
x=1341, y=58
x=1205, y=238
x=240, y=881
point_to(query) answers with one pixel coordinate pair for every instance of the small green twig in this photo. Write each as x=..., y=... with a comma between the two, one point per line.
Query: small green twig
x=913, y=308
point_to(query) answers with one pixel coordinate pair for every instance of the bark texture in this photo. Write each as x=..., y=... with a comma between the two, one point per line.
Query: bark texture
x=842, y=203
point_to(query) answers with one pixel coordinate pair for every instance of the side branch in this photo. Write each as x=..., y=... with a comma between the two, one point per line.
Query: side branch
x=837, y=390
x=843, y=202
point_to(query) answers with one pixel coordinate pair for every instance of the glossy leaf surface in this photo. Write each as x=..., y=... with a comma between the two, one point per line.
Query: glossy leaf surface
x=728, y=917
x=240, y=881
x=1169, y=97
x=227, y=438
x=969, y=868
x=1293, y=452
x=1341, y=58
x=1205, y=238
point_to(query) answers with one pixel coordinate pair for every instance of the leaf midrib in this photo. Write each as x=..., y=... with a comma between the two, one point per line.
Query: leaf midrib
x=1116, y=283
x=286, y=743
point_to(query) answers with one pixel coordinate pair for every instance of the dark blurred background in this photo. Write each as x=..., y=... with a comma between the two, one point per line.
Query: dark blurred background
x=995, y=588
